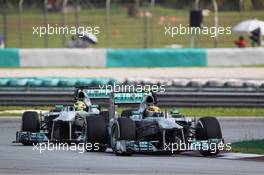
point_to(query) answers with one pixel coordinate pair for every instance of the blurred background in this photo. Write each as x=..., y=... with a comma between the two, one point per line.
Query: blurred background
x=123, y=23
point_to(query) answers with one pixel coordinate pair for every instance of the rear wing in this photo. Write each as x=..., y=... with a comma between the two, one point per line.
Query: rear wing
x=116, y=97
x=98, y=93
x=92, y=93
x=134, y=98
x=128, y=98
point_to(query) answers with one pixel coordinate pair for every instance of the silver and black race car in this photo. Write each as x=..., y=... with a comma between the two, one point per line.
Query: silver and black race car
x=144, y=128
x=61, y=124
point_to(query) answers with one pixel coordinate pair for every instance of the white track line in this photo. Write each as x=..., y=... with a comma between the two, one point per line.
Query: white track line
x=235, y=156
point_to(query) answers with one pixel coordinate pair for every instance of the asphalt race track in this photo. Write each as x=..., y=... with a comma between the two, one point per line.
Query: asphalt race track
x=18, y=159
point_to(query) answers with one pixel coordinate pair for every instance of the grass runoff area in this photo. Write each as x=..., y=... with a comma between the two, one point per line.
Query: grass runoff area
x=195, y=112
x=250, y=146
x=124, y=31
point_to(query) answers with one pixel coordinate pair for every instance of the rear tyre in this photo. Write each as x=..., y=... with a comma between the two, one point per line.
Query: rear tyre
x=105, y=114
x=123, y=129
x=96, y=132
x=127, y=113
x=208, y=128
x=30, y=123
x=102, y=149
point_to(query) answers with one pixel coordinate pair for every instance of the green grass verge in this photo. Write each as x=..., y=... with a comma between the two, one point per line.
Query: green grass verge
x=251, y=146
x=237, y=112
x=7, y=114
x=124, y=32
x=257, y=65
x=7, y=108
x=222, y=111
x=14, y=111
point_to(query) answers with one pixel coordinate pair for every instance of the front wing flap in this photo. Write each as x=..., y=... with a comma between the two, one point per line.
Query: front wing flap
x=30, y=137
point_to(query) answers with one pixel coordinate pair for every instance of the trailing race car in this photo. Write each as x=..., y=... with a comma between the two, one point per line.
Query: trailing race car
x=62, y=124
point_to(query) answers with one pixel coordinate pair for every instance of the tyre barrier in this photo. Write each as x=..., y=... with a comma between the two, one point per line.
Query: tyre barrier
x=53, y=82
x=235, y=84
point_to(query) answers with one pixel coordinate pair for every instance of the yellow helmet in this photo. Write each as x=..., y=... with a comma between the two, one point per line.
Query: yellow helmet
x=79, y=106
x=153, y=111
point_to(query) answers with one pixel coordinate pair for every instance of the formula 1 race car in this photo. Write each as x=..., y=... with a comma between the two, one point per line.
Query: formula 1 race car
x=144, y=128
x=147, y=129
x=61, y=124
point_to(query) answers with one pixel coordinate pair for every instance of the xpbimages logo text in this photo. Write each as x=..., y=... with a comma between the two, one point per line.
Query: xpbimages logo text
x=138, y=88
x=197, y=146
x=174, y=31
x=64, y=30
x=60, y=146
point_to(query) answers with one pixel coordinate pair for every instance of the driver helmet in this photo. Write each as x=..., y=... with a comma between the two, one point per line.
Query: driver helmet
x=79, y=106
x=153, y=111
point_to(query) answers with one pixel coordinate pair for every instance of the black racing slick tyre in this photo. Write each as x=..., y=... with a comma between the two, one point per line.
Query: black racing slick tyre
x=30, y=121
x=123, y=129
x=208, y=128
x=105, y=114
x=96, y=132
x=127, y=113
x=127, y=129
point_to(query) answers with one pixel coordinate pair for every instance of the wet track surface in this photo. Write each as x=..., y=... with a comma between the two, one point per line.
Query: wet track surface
x=15, y=158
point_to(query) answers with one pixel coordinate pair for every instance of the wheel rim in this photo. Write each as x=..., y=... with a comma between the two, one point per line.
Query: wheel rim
x=114, y=137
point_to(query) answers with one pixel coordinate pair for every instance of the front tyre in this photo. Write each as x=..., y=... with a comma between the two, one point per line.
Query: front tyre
x=208, y=128
x=30, y=123
x=123, y=130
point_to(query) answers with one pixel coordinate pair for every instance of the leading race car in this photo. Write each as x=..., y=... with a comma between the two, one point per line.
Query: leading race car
x=144, y=128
